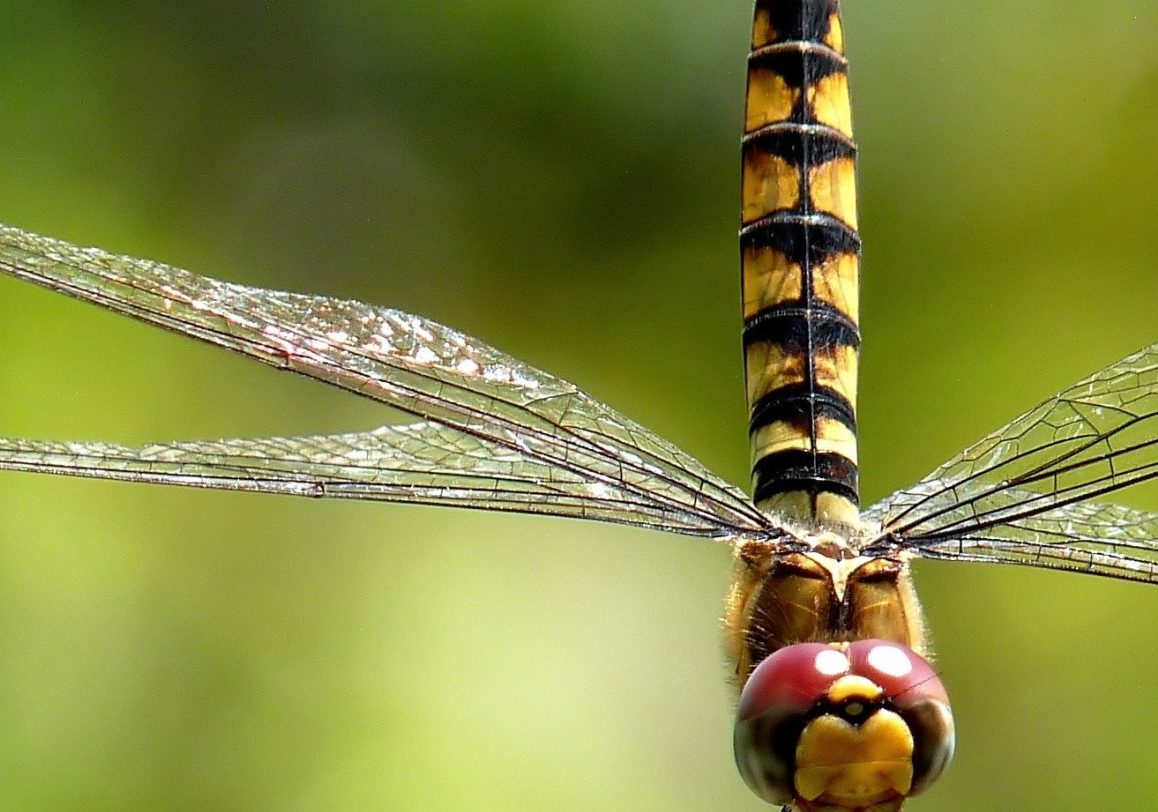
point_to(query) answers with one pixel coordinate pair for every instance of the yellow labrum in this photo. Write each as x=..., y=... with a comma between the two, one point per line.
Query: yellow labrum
x=800, y=252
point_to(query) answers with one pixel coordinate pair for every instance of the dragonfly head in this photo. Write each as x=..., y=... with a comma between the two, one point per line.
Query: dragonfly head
x=843, y=726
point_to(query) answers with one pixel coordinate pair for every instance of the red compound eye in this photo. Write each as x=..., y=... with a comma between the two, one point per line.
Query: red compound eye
x=778, y=698
x=792, y=679
x=905, y=676
x=915, y=690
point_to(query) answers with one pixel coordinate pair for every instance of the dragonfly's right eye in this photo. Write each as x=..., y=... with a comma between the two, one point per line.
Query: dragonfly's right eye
x=774, y=706
x=845, y=725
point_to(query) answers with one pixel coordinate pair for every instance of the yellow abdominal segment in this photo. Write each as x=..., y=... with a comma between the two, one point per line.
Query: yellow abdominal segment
x=800, y=254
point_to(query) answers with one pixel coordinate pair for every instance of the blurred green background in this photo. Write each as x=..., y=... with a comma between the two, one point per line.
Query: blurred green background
x=560, y=179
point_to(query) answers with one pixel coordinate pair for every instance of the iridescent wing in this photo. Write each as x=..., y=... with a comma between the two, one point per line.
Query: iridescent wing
x=496, y=434
x=1018, y=495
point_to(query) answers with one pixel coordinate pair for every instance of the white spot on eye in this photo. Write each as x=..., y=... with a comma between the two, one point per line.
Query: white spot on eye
x=425, y=355
x=831, y=662
x=890, y=660
x=467, y=367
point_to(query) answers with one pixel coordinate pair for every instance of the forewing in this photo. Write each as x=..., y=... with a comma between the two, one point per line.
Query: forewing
x=1019, y=494
x=413, y=364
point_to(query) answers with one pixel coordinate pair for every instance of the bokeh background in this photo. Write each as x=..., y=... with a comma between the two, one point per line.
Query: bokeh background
x=560, y=179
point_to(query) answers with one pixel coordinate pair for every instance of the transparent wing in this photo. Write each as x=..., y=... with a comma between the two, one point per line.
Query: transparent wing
x=1018, y=495
x=421, y=463
x=533, y=441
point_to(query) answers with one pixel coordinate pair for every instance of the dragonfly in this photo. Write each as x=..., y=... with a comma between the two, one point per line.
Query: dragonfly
x=838, y=706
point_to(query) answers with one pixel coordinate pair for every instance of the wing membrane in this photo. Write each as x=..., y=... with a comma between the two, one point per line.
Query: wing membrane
x=422, y=463
x=1018, y=494
x=480, y=398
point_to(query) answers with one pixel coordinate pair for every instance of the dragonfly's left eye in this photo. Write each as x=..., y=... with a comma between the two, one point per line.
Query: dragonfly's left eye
x=846, y=724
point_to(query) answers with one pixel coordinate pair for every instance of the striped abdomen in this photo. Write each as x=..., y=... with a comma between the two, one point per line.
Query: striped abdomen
x=800, y=253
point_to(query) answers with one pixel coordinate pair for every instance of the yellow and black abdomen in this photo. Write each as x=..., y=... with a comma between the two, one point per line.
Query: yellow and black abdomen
x=800, y=254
